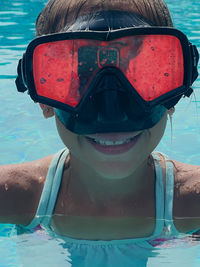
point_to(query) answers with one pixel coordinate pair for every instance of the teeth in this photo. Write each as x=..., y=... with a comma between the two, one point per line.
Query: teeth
x=111, y=143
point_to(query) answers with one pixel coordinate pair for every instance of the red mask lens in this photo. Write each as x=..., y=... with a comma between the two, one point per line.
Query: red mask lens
x=55, y=66
x=63, y=70
x=158, y=68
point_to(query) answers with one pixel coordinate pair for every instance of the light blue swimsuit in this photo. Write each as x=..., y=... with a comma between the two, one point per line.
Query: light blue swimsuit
x=114, y=253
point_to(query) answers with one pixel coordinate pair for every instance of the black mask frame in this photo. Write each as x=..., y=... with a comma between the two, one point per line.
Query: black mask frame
x=25, y=80
x=132, y=113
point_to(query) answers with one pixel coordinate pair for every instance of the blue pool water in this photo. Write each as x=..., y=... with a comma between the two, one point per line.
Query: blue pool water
x=26, y=136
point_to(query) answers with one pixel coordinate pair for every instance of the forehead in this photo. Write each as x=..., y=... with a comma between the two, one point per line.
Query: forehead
x=108, y=20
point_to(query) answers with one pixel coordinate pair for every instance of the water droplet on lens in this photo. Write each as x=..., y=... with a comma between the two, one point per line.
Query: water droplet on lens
x=43, y=80
x=60, y=80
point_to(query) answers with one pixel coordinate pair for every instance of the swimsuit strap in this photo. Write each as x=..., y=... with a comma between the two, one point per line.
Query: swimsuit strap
x=159, y=193
x=170, y=228
x=169, y=198
x=50, y=190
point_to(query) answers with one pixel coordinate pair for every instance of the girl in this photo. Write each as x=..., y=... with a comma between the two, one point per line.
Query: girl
x=110, y=76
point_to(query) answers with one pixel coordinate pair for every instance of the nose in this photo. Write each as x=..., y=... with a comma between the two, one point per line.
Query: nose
x=110, y=106
x=109, y=99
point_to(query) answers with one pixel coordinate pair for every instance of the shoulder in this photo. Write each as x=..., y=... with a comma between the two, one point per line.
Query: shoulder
x=20, y=189
x=187, y=179
x=186, y=208
x=25, y=174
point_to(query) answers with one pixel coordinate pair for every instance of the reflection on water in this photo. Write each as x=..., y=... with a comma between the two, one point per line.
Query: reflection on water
x=182, y=251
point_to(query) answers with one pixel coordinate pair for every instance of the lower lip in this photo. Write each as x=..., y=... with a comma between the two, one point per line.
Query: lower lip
x=113, y=150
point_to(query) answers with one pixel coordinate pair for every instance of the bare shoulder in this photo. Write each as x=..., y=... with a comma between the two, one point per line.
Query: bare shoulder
x=187, y=178
x=186, y=208
x=20, y=189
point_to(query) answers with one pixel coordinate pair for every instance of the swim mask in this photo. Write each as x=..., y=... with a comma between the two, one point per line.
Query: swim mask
x=111, y=72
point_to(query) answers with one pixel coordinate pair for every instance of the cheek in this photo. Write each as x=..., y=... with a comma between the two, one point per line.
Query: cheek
x=156, y=133
x=70, y=139
x=74, y=142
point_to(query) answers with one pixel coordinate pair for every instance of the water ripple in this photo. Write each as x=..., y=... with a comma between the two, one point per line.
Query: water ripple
x=13, y=13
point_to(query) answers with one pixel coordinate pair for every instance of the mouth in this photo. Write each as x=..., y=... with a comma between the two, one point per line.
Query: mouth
x=113, y=143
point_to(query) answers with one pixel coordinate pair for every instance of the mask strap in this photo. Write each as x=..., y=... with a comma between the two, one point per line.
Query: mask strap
x=20, y=81
x=195, y=59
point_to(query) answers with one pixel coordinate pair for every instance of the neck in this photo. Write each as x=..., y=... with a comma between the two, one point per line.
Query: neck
x=101, y=188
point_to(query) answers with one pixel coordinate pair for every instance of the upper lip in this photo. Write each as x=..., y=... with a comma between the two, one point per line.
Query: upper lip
x=114, y=137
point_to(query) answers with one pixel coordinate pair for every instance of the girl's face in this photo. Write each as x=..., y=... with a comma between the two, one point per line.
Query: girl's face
x=113, y=155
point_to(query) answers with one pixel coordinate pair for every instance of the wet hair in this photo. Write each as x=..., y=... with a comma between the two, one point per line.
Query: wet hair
x=60, y=14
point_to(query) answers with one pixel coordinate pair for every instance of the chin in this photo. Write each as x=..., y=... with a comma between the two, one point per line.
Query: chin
x=114, y=170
